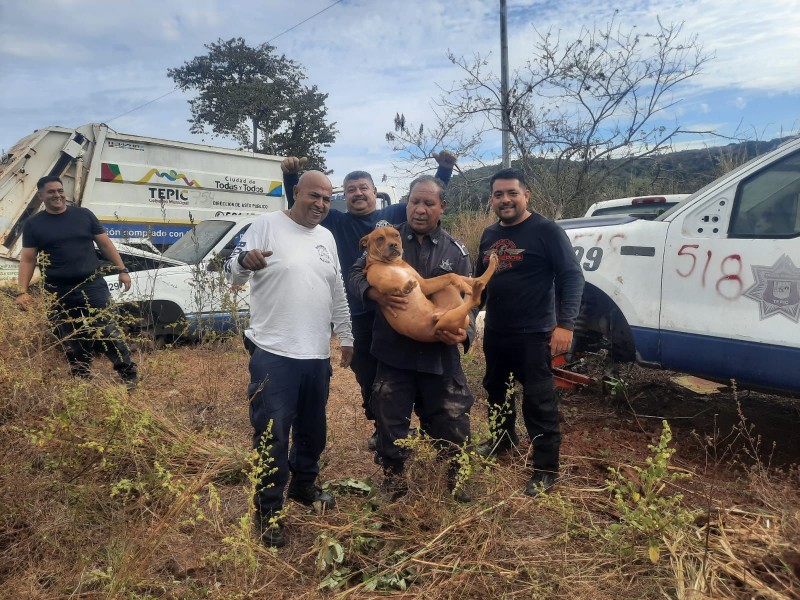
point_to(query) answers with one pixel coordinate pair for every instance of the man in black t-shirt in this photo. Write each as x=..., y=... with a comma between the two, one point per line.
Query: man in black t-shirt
x=79, y=314
x=532, y=302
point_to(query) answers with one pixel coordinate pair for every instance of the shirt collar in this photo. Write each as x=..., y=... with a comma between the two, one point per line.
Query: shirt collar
x=435, y=235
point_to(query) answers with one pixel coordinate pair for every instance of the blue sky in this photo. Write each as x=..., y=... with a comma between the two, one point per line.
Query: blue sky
x=71, y=62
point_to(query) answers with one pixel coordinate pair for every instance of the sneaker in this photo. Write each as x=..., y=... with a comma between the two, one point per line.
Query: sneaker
x=309, y=494
x=492, y=447
x=540, y=482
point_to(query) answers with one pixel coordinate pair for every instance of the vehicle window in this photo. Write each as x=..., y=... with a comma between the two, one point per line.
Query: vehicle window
x=198, y=242
x=635, y=210
x=767, y=205
x=384, y=199
x=133, y=262
x=227, y=250
x=338, y=203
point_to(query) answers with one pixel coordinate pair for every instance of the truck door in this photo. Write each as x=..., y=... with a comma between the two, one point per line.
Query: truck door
x=730, y=295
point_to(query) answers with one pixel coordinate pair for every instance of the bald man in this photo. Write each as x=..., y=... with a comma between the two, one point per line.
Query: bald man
x=296, y=294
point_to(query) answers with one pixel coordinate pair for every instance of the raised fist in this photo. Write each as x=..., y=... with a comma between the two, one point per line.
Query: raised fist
x=292, y=164
x=445, y=159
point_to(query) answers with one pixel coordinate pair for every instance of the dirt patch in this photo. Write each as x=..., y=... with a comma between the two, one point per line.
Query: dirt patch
x=748, y=425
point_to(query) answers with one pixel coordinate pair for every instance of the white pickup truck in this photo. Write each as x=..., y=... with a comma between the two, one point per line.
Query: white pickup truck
x=187, y=293
x=711, y=287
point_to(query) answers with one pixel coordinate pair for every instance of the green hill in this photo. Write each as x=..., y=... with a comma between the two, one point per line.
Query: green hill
x=684, y=171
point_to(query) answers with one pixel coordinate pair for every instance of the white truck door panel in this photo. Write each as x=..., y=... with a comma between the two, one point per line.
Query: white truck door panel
x=730, y=295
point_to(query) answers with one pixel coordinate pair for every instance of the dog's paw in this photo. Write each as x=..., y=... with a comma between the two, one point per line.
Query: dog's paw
x=465, y=285
x=477, y=288
x=409, y=286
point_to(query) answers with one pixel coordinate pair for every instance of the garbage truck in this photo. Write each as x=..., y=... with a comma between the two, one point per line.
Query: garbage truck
x=141, y=188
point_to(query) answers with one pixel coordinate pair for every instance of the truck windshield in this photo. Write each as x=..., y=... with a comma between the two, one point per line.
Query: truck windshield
x=196, y=243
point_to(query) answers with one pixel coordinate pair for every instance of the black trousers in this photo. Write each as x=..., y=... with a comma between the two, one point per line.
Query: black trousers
x=364, y=364
x=81, y=321
x=524, y=357
x=287, y=397
x=442, y=403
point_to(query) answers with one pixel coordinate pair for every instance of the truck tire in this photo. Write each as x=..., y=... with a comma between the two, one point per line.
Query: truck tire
x=602, y=326
x=162, y=321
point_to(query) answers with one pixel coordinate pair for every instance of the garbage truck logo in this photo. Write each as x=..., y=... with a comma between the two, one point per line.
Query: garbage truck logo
x=110, y=172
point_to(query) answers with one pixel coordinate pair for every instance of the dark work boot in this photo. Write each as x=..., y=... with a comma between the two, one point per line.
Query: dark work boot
x=499, y=443
x=80, y=369
x=541, y=482
x=372, y=442
x=392, y=489
x=309, y=494
x=131, y=380
x=129, y=374
x=270, y=531
x=394, y=485
x=461, y=491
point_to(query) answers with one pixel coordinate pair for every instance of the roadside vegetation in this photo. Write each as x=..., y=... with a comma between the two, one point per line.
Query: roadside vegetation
x=105, y=494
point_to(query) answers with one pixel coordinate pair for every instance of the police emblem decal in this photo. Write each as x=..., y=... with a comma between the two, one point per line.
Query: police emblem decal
x=776, y=289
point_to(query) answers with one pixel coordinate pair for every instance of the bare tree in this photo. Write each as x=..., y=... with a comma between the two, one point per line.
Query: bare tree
x=579, y=110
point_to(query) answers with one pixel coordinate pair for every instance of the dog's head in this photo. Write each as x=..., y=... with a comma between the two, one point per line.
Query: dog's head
x=383, y=245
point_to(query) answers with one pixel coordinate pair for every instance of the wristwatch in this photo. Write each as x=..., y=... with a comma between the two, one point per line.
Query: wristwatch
x=125, y=270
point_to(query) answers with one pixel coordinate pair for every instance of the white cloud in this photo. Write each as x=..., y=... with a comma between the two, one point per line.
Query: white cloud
x=74, y=61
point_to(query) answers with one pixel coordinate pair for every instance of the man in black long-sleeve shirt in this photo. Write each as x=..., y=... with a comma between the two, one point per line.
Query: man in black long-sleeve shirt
x=531, y=306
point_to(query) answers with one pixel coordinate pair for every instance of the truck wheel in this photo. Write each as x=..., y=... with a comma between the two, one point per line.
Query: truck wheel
x=623, y=347
x=601, y=325
x=158, y=323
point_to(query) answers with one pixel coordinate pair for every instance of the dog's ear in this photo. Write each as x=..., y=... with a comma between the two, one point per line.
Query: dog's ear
x=364, y=242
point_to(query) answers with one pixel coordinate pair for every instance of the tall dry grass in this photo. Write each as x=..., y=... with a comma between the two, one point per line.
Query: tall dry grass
x=105, y=494
x=468, y=227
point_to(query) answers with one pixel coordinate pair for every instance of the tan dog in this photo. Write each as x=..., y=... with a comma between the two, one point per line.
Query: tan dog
x=446, y=310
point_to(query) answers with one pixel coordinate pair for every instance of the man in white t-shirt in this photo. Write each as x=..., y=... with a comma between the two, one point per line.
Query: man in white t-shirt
x=296, y=294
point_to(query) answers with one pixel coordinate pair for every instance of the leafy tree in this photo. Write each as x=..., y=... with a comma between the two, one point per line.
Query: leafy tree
x=258, y=98
x=579, y=110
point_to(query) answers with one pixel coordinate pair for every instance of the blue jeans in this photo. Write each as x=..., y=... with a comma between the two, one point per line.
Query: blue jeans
x=287, y=395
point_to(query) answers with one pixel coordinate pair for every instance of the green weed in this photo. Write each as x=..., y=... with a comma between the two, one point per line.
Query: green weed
x=646, y=508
